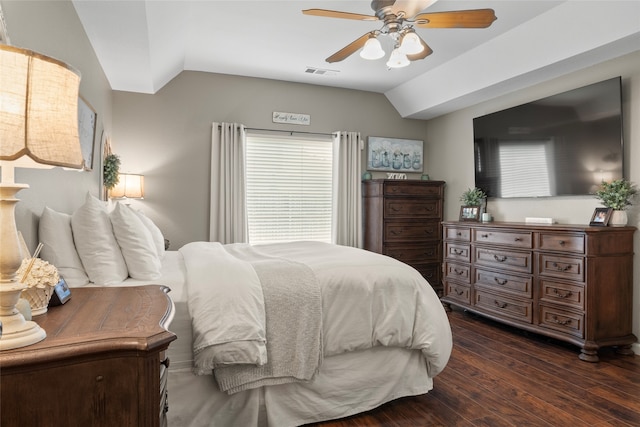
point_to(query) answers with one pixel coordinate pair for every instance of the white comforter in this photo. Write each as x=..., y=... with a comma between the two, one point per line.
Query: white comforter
x=367, y=300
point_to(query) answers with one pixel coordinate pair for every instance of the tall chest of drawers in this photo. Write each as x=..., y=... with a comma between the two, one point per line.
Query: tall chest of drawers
x=402, y=220
x=570, y=282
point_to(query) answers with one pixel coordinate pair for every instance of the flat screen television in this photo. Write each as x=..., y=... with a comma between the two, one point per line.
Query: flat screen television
x=562, y=145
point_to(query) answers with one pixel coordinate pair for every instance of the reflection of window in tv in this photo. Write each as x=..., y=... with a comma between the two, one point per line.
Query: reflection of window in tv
x=524, y=168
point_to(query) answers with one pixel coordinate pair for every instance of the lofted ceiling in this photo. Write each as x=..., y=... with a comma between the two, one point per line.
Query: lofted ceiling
x=143, y=44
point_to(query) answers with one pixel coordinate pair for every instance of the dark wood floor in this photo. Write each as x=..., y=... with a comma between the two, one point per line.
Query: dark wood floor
x=500, y=376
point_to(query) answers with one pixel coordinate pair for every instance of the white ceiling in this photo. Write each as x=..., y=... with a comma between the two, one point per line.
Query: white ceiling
x=143, y=44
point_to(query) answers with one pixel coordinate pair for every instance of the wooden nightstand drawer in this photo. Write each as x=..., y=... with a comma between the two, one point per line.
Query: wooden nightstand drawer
x=562, y=242
x=457, y=252
x=562, y=293
x=517, y=285
x=401, y=208
x=458, y=272
x=505, y=306
x=563, y=321
x=458, y=292
x=504, y=260
x=402, y=231
x=571, y=268
x=522, y=239
x=457, y=233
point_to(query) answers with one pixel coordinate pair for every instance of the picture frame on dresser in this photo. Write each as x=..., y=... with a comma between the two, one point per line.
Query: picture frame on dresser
x=601, y=217
x=470, y=213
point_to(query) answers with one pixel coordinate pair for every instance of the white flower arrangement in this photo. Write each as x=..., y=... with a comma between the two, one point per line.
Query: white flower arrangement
x=41, y=274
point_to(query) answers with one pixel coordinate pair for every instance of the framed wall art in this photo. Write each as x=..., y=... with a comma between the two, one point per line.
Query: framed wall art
x=394, y=155
x=86, y=131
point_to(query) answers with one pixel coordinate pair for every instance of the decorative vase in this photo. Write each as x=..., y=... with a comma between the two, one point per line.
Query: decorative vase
x=38, y=299
x=618, y=218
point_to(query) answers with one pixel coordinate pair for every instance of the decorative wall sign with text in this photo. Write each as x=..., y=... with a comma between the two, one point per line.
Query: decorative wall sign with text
x=291, y=118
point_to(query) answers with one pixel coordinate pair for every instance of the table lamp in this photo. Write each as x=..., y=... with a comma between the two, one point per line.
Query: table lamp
x=38, y=129
x=129, y=186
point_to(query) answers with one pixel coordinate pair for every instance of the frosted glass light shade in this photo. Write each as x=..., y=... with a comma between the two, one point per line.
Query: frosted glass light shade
x=411, y=44
x=397, y=59
x=129, y=186
x=372, y=49
x=38, y=110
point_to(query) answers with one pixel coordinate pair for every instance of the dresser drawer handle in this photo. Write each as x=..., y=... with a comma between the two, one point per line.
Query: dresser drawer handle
x=564, y=322
x=396, y=233
x=458, y=234
x=458, y=292
x=458, y=272
x=457, y=251
x=500, y=282
x=562, y=294
x=484, y=236
x=518, y=239
x=560, y=267
x=500, y=304
x=501, y=258
x=562, y=242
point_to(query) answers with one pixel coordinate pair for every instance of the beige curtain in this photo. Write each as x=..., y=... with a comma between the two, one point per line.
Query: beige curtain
x=347, y=197
x=228, y=212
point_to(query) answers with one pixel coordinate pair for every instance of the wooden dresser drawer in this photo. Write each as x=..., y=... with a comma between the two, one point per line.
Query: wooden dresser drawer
x=517, y=285
x=571, y=268
x=561, y=320
x=411, y=189
x=504, y=260
x=516, y=239
x=459, y=272
x=402, y=208
x=561, y=242
x=562, y=293
x=505, y=306
x=413, y=252
x=402, y=231
x=431, y=272
x=457, y=233
x=458, y=252
x=458, y=292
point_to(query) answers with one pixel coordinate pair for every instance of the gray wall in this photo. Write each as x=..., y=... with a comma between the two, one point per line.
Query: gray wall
x=53, y=29
x=167, y=136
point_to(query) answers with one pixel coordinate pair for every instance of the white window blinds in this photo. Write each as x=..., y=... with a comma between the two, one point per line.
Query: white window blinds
x=289, y=188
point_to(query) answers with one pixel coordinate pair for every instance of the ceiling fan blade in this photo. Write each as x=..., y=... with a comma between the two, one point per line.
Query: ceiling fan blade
x=349, y=49
x=338, y=14
x=425, y=52
x=410, y=8
x=478, y=18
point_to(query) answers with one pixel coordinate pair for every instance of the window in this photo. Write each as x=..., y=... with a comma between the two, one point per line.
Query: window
x=289, y=188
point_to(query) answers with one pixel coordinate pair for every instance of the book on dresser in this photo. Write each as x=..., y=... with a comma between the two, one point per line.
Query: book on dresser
x=103, y=362
x=569, y=282
x=401, y=219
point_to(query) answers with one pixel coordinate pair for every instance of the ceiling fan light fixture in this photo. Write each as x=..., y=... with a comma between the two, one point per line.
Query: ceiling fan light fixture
x=411, y=44
x=372, y=49
x=397, y=59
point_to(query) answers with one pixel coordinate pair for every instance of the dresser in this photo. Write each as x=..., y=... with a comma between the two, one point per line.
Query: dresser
x=570, y=282
x=402, y=220
x=102, y=363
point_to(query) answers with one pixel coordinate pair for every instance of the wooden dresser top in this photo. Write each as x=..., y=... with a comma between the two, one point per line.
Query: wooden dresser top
x=100, y=320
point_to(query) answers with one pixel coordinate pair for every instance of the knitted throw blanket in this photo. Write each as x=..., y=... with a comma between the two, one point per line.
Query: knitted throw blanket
x=293, y=310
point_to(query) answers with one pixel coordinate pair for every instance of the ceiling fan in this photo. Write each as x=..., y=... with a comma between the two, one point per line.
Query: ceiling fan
x=399, y=17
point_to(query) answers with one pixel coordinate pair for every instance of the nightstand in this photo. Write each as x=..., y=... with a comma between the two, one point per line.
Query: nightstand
x=102, y=363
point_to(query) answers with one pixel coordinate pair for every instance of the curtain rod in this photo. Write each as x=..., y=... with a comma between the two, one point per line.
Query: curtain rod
x=291, y=132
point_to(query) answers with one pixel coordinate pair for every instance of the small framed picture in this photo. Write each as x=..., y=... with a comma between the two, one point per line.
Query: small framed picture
x=601, y=217
x=61, y=293
x=469, y=213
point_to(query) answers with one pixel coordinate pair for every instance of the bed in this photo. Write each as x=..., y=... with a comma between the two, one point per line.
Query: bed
x=322, y=332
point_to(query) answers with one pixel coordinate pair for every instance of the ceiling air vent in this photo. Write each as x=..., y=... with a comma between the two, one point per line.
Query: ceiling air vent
x=320, y=71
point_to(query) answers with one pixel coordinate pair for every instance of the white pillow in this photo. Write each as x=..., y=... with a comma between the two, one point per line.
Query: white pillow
x=156, y=234
x=136, y=244
x=96, y=244
x=58, y=248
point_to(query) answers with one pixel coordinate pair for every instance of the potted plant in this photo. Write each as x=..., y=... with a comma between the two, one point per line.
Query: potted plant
x=617, y=195
x=473, y=197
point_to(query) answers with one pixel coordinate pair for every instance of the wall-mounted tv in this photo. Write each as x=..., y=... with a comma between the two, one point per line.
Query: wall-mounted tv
x=562, y=145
